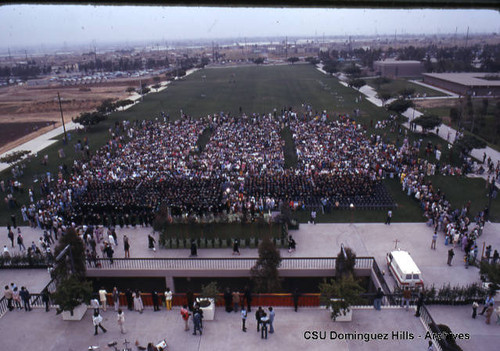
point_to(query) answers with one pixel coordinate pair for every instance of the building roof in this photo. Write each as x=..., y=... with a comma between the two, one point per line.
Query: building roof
x=468, y=79
x=396, y=62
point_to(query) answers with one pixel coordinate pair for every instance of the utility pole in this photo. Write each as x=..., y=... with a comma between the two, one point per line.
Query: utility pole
x=467, y=38
x=62, y=118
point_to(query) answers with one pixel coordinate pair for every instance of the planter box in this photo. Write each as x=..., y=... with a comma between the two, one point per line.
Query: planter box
x=208, y=312
x=78, y=313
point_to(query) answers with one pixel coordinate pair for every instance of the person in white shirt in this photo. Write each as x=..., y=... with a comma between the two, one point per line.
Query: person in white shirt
x=168, y=299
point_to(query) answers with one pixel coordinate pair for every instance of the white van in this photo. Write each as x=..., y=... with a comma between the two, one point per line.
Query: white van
x=404, y=269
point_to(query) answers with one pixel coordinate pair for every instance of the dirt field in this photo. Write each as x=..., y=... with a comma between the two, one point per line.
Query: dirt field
x=21, y=105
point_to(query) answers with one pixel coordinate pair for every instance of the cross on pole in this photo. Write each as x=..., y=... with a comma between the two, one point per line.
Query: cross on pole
x=396, y=243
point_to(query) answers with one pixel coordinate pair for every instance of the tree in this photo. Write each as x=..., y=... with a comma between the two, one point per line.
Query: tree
x=400, y=105
x=106, y=107
x=346, y=260
x=380, y=81
x=357, y=83
x=331, y=67
x=407, y=92
x=384, y=96
x=454, y=114
x=156, y=79
x=258, y=60
x=156, y=87
x=89, y=118
x=293, y=59
x=69, y=272
x=312, y=60
x=428, y=122
x=339, y=295
x=265, y=272
x=469, y=142
x=123, y=103
x=352, y=70
x=130, y=90
x=14, y=156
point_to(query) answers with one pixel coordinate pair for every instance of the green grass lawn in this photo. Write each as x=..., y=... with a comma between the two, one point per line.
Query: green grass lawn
x=259, y=89
x=396, y=85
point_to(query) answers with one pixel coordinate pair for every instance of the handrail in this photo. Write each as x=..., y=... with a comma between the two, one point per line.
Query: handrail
x=433, y=328
x=236, y=263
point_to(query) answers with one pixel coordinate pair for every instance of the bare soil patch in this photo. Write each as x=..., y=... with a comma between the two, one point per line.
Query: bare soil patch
x=433, y=103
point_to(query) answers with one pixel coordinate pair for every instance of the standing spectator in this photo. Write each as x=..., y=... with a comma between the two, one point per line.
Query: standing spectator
x=109, y=252
x=475, y=305
x=10, y=235
x=296, y=295
x=194, y=249
x=154, y=297
x=389, y=217
x=406, y=298
x=313, y=216
x=16, y=297
x=8, y=296
x=496, y=256
x=420, y=303
x=489, y=312
x=258, y=316
x=228, y=299
x=126, y=246
x=185, y=316
x=20, y=242
x=103, y=298
x=120, y=319
x=243, y=318
x=46, y=299
x=97, y=320
x=138, y=304
x=248, y=298
x=271, y=320
x=236, y=247
x=291, y=244
x=434, y=239
x=377, y=302
x=130, y=299
x=451, y=253
x=168, y=299
x=236, y=300
x=197, y=321
x=25, y=296
x=116, y=298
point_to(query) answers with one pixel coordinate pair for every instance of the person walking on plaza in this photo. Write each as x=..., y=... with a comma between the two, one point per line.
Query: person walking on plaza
x=25, y=296
x=271, y=320
x=20, y=242
x=94, y=303
x=120, y=319
x=291, y=244
x=10, y=235
x=97, y=320
x=313, y=216
x=389, y=217
x=243, y=318
x=168, y=299
x=151, y=242
x=185, y=316
x=236, y=247
x=451, y=253
x=103, y=298
x=16, y=298
x=489, y=300
x=475, y=305
x=377, y=302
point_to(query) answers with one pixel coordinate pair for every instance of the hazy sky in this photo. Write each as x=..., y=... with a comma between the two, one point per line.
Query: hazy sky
x=22, y=25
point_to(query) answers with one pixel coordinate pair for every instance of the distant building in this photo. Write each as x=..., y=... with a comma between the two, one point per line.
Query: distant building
x=394, y=69
x=476, y=84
